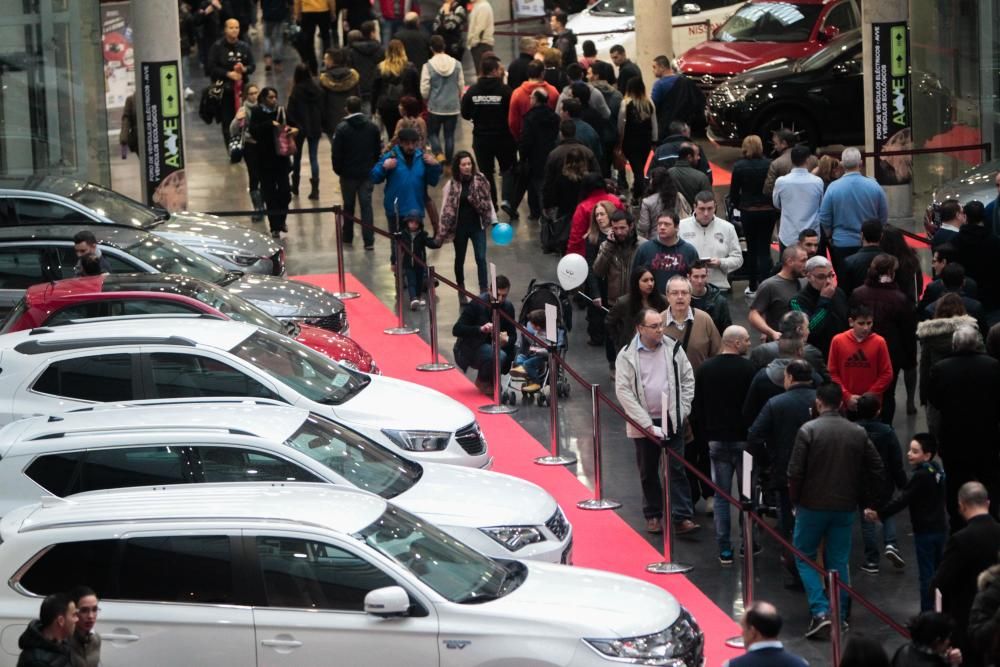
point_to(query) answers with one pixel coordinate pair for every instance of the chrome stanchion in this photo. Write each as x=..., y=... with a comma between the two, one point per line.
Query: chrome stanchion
x=667, y=566
x=435, y=363
x=833, y=591
x=400, y=328
x=598, y=502
x=554, y=459
x=747, y=529
x=338, y=230
x=496, y=407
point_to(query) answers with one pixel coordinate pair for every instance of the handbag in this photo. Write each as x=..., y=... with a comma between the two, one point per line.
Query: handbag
x=211, y=102
x=284, y=142
x=236, y=146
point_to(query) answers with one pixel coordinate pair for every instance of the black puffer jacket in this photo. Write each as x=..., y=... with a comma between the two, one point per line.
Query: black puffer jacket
x=365, y=55
x=338, y=83
x=305, y=109
x=539, y=135
x=357, y=145
x=984, y=618
x=37, y=651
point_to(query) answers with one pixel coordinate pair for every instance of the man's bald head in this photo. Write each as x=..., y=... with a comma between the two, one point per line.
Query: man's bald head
x=761, y=622
x=735, y=340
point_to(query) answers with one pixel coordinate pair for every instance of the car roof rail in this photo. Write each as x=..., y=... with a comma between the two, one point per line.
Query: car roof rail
x=130, y=428
x=198, y=400
x=142, y=316
x=43, y=346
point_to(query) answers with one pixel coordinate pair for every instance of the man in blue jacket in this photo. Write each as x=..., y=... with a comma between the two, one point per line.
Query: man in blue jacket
x=407, y=171
x=760, y=626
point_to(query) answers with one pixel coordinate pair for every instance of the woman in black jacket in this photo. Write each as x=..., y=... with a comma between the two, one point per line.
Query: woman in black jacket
x=395, y=77
x=305, y=112
x=757, y=213
x=273, y=168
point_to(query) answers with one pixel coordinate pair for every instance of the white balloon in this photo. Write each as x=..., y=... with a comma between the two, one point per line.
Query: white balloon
x=572, y=271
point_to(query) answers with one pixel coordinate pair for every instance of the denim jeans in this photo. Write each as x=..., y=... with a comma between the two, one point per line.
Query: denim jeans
x=811, y=527
x=727, y=461
x=869, y=535
x=647, y=456
x=463, y=234
x=416, y=276
x=436, y=123
x=929, y=547
x=313, y=158
x=359, y=190
x=533, y=364
x=484, y=363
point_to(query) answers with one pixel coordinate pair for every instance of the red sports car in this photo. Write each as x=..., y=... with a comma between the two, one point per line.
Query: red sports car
x=124, y=294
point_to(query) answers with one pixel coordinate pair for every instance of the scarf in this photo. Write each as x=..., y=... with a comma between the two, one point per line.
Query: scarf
x=479, y=197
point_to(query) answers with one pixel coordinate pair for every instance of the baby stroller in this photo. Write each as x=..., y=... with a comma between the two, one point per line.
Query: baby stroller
x=539, y=295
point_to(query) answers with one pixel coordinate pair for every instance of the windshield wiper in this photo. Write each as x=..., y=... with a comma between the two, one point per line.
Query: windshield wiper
x=230, y=277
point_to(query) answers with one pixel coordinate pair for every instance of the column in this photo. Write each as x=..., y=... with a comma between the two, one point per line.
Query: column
x=653, y=35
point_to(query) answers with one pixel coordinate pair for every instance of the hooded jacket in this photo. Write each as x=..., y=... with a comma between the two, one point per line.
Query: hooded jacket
x=365, y=55
x=614, y=262
x=487, y=104
x=935, y=344
x=520, y=103
x=357, y=145
x=565, y=41
x=714, y=302
x=407, y=182
x=37, y=651
x=441, y=84
x=539, y=136
x=774, y=427
x=677, y=398
x=338, y=83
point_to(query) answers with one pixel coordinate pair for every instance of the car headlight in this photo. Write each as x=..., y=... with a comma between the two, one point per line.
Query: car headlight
x=668, y=647
x=738, y=92
x=515, y=537
x=237, y=258
x=419, y=441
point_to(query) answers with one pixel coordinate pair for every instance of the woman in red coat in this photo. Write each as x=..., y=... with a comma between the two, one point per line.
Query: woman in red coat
x=593, y=190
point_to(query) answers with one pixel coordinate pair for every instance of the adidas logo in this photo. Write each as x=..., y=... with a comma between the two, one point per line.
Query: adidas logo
x=857, y=360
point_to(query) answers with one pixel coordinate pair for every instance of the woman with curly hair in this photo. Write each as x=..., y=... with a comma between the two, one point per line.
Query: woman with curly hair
x=409, y=116
x=395, y=77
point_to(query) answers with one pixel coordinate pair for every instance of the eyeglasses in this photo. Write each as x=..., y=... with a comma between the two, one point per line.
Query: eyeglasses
x=654, y=327
x=88, y=610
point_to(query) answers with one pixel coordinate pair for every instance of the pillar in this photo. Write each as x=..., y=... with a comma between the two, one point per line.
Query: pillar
x=159, y=104
x=653, y=35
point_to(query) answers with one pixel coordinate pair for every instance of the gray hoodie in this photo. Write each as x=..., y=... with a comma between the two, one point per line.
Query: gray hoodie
x=441, y=84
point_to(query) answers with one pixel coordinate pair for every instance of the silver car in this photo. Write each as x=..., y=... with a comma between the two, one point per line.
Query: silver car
x=60, y=200
x=31, y=254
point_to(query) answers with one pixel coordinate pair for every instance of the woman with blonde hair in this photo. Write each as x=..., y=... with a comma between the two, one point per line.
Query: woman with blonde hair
x=395, y=77
x=597, y=288
x=636, y=131
x=828, y=169
x=757, y=213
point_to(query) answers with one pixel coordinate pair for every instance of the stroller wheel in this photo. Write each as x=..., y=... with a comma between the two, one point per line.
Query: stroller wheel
x=543, y=400
x=562, y=388
x=511, y=397
x=527, y=399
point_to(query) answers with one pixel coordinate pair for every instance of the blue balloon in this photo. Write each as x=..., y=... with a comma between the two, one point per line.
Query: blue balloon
x=502, y=233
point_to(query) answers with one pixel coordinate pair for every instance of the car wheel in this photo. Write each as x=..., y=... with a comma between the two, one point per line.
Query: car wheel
x=788, y=119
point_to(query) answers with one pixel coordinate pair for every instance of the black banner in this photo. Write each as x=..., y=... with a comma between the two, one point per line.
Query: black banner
x=893, y=101
x=166, y=185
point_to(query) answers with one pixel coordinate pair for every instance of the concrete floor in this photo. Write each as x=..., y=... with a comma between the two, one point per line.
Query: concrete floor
x=214, y=184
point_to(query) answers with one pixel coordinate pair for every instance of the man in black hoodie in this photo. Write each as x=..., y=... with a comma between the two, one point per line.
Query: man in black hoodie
x=364, y=55
x=357, y=145
x=43, y=643
x=563, y=38
x=486, y=103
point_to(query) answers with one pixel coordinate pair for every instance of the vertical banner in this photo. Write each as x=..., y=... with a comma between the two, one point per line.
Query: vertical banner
x=119, y=61
x=893, y=101
x=164, y=159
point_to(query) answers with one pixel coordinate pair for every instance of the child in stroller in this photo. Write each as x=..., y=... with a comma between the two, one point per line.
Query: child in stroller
x=532, y=360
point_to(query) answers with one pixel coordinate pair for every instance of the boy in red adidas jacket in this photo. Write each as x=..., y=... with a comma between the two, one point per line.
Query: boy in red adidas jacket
x=859, y=359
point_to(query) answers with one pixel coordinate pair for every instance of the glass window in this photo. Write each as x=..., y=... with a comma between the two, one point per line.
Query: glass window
x=189, y=376
x=841, y=17
x=302, y=574
x=114, y=206
x=233, y=464
x=68, y=260
x=136, y=466
x=20, y=308
x=20, y=268
x=74, y=378
x=177, y=568
x=40, y=211
x=167, y=257
x=70, y=564
x=82, y=311
x=770, y=22
x=59, y=474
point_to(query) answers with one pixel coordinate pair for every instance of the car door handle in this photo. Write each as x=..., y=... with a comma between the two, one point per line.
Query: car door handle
x=114, y=637
x=281, y=643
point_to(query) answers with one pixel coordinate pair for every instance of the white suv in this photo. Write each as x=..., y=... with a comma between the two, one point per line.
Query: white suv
x=241, y=440
x=308, y=575
x=45, y=371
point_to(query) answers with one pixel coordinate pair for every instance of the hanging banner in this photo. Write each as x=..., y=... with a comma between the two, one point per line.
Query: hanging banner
x=528, y=8
x=119, y=63
x=893, y=101
x=164, y=159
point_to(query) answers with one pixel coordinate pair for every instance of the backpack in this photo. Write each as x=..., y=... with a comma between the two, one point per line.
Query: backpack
x=211, y=103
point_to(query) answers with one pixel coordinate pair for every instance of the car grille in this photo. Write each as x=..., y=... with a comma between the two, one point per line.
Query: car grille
x=471, y=439
x=278, y=263
x=558, y=524
x=708, y=82
x=336, y=322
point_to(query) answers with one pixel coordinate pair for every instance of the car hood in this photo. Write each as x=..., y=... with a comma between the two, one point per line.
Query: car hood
x=281, y=297
x=412, y=407
x=468, y=497
x=589, y=603
x=976, y=183
x=336, y=347
x=585, y=21
x=765, y=74
x=192, y=229
x=734, y=57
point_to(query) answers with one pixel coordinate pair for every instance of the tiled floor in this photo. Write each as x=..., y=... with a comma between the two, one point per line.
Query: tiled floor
x=214, y=184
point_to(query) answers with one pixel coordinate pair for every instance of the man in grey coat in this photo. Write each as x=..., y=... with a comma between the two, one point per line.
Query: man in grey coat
x=441, y=84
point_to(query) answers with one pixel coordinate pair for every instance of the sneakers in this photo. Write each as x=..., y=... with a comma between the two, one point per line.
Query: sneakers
x=485, y=387
x=415, y=304
x=756, y=550
x=531, y=388
x=870, y=567
x=518, y=372
x=819, y=627
x=893, y=556
x=686, y=526
x=749, y=293
x=509, y=210
x=653, y=525
x=726, y=557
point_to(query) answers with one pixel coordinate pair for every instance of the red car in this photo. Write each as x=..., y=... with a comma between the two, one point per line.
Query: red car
x=123, y=294
x=763, y=32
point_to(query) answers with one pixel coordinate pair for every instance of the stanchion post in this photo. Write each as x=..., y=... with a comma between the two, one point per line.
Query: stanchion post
x=746, y=526
x=667, y=566
x=554, y=458
x=833, y=590
x=338, y=231
x=598, y=502
x=496, y=407
x=400, y=328
x=435, y=364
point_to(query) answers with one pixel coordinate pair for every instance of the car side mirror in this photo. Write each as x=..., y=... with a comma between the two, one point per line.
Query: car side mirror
x=690, y=8
x=828, y=33
x=387, y=602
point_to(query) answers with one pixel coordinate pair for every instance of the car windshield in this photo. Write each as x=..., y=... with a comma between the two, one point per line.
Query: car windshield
x=13, y=316
x=168, y=257
x=613, y=8
x=115, y=206
x=357, y=459
x=314, y=376
x=236, y=307
x=456, y=571
x=841, y=49
x=770, y=22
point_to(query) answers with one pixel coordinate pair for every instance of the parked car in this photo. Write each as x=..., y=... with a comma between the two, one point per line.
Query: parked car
x=47, y=371
x=975, y=184
x=44, y=199
x=693, y=22
x=44, y=253
x=815, y=97
x=149, y=294
x=238, y=440
x=255, y=574
x=765, y=32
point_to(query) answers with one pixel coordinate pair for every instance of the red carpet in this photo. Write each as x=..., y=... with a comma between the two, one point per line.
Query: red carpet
x=602, y=540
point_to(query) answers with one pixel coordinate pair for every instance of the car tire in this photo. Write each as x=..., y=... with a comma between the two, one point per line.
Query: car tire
x=793, y=119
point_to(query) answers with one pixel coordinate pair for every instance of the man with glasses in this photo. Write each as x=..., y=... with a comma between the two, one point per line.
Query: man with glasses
x=654, y=383
x=823, y=303
x=84, y=643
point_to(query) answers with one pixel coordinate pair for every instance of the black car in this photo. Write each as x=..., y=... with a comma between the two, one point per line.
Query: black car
x=819, y=97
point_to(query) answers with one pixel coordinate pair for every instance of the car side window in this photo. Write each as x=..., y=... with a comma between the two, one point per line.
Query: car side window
x=20, y=268
x=74, y=378
x=234, y=464
x=33, y=211
x=177, y=568
x=65, y=565
x=841, y=17
x=59, y=474
x=187, y=375
x=134, y=466
x=302, y=574
x=82, y=311
x=68, y=260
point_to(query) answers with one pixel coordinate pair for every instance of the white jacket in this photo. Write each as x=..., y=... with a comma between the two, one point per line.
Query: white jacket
x=481, y=24
x=717, y=239
x=632, y=397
